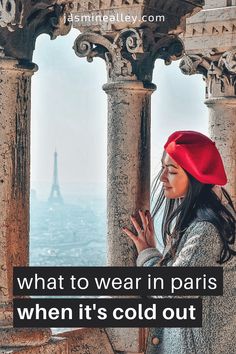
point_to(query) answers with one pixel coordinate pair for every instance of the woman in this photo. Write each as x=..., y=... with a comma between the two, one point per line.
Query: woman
x=198, y=229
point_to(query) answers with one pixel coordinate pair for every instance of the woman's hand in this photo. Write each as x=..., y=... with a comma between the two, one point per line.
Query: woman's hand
x=145, y=237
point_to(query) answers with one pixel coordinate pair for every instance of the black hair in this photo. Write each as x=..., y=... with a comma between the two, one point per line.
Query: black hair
x=200, y=203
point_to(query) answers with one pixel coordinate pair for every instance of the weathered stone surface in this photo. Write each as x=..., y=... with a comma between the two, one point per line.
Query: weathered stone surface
x=211, y=29
x=222, y=129
x=54, y=346
x=14, y=174
x=130, y=49
x=88, y=341
x=213, y=4
x=131, y=54
x=220, y=75
x=128, y=163
x=21, y=22
x=15, y=83
x=128, y=180
x=19, y=337
x=174, y=11
x=210, y=45
x=6, y=313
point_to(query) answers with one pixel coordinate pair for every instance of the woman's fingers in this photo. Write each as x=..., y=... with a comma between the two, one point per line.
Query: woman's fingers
x=147, y=223
x=136, y=225
x=140, y=242
x=145, y=237
x=150, y=221
x=133, y=237
x=151, y=234
x=143, y=218
x=129, y=233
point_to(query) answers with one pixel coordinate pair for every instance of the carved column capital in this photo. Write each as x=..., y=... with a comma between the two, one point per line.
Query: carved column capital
x=21, y=22
x=130, y=54
x=131, y=35
x=219, y=71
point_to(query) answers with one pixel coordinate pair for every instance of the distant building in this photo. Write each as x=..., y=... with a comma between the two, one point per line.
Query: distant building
x=55, y=195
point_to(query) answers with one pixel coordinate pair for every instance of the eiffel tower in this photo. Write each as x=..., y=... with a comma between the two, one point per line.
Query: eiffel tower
x=55, y=195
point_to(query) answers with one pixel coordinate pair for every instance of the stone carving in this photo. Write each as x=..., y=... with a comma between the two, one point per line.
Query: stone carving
x=194, y=64
x=23, y=21
x=59, y=25
x=213, y=27
x=219, y=72
x=2, y=54
x=131, y=53
x=8, y=13
x=105, y=4
x=228, y=61
x=207, y=29
x=171, y=6
x=94, y=45
x=164, y=15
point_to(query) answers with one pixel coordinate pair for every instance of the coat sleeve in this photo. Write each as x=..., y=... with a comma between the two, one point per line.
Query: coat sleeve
x=148, y=257
x=199, y=247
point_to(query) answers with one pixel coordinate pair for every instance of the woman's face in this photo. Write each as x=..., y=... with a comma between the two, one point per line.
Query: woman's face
x=175, y=180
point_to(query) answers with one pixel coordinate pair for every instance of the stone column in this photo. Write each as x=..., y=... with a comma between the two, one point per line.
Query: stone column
x=220, y=77
x=20, y=24
x=221, y=101
x=222, y=129
x=210, y=45
x=15, y=83
x=128, y=162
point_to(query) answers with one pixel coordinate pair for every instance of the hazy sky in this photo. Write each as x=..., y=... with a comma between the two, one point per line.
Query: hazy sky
x=69, y=113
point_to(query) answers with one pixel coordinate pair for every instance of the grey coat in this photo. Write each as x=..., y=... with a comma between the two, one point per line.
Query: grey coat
x=200, y=247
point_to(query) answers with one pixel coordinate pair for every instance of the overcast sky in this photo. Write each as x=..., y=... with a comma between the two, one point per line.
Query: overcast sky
x=69, y=113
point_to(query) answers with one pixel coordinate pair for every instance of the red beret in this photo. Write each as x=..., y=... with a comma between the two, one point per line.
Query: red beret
x=198, y=155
